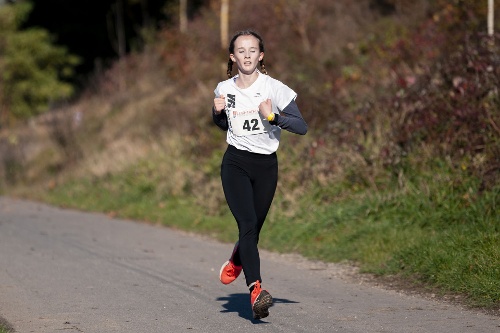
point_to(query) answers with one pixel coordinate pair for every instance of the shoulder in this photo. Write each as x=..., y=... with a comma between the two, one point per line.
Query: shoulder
x=277, y=86
x=280, y=92
x=273, y=82
x=224, y=84
x=269, y=79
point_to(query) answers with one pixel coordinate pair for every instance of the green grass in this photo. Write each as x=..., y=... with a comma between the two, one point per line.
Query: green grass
x=433, y=231
x=5, y=327
x=450, y=242
x=117, y=196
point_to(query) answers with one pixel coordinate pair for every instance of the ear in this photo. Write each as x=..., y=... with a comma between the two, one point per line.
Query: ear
x=231, y=56
x=261, y=56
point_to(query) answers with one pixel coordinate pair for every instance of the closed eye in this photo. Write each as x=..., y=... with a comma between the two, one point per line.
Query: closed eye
x=253, y=50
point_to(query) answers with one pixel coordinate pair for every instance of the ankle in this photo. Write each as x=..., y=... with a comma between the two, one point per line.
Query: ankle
x=252, y=285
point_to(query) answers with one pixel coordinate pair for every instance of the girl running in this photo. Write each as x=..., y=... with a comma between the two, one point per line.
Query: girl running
x=253, y=108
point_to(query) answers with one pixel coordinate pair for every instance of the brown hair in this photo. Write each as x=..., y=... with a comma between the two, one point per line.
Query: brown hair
x=247, y=32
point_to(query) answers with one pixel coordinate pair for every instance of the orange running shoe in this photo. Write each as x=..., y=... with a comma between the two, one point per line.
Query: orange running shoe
x=229, y=271
x=261, y=301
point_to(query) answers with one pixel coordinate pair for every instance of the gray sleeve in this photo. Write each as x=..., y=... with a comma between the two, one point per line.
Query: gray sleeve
x=291, y=119
x=220, y=120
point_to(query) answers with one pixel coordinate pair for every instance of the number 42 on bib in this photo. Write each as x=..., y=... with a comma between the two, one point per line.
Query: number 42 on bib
x=248, y=122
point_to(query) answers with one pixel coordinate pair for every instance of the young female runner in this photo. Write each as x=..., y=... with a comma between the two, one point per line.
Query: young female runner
x=253, y=108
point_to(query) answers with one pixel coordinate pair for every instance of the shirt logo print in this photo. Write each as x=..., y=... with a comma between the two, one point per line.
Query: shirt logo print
x=231, y=101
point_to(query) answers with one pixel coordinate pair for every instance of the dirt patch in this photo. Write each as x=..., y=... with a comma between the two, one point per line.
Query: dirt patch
x=412, y=287
x=350, y=273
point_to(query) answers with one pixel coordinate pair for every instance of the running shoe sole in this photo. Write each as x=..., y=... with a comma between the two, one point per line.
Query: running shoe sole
x=261, y=305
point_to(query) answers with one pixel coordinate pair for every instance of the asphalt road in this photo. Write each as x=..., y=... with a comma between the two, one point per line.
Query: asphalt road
x=68, y=271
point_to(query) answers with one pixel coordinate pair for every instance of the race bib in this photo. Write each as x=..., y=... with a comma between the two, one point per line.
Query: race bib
x=248, y=122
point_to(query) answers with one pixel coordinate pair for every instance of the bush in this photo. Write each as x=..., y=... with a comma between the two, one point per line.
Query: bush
x=32, y=68
x=448, y=98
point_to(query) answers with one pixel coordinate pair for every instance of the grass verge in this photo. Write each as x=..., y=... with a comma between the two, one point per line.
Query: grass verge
x=5, y=327
x=448, y=241
x=433, y=232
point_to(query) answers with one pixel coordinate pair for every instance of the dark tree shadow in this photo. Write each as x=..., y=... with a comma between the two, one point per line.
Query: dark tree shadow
x=240, y=303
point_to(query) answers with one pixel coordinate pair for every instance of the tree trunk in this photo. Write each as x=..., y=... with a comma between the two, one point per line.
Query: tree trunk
x=491, y=12
x=183, y=19
x=224, y=23
x=120, y=35
x=120, y=28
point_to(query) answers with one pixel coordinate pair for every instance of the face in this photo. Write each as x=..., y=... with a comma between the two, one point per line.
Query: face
x=246, y=54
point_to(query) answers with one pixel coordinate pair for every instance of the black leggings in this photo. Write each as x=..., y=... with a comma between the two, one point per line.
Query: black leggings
x=249, y=181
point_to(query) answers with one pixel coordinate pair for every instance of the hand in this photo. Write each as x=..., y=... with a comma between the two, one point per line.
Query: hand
x=219, y=104
x=266, y=108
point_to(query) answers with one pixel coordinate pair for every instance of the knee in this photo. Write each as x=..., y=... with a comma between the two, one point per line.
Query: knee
x=250, y=234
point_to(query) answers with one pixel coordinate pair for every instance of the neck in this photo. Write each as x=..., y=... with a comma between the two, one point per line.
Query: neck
x=246, y=80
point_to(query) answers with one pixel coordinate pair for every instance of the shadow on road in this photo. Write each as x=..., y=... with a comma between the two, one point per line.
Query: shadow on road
x=240, y=303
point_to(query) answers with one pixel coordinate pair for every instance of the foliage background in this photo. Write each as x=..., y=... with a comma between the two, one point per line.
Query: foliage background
x=31, y=67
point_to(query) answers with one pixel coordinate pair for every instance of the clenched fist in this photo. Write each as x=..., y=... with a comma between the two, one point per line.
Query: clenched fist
x=219, y=104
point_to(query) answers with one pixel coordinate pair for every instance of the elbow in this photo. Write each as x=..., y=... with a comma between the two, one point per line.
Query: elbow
x=303, y=130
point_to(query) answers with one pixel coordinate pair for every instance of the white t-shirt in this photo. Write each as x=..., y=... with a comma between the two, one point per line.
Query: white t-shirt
x=248, y=130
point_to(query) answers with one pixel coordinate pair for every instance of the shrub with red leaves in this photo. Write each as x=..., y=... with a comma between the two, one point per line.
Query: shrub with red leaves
x=452, y=102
